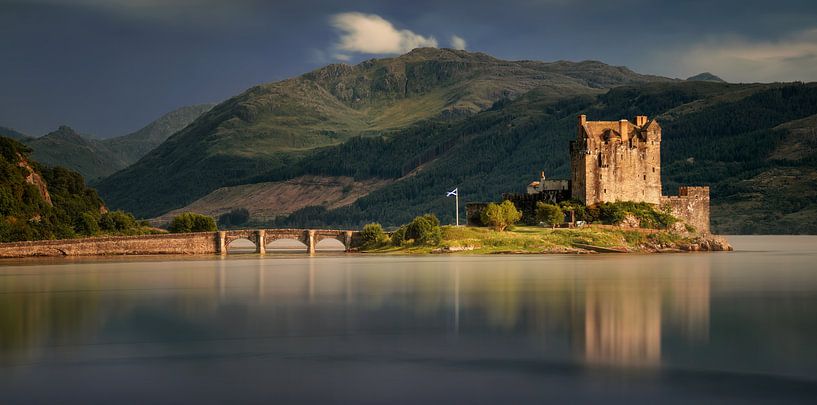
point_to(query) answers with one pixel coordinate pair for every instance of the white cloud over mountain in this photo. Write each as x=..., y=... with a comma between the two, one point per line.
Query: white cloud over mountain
x=372, y=34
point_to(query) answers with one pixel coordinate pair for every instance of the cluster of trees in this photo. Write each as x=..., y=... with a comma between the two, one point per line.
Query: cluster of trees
x=75, y=210
x=423, y=230
x=192, y=222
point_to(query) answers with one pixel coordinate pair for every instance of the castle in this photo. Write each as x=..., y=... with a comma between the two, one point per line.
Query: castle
x=613, y=161
x=621, y=161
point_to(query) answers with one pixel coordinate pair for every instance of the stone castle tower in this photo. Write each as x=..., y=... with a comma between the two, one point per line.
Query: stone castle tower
x=616, y=161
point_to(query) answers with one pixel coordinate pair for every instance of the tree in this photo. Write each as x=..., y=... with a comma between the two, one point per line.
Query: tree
x=425, y=230
x=117, y=221
x=549, y=214
x=372, y=234
x=192, y=222
x=87, y=225
x=500, y=216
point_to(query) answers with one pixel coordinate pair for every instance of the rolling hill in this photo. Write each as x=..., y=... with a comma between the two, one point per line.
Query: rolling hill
x=270, y=127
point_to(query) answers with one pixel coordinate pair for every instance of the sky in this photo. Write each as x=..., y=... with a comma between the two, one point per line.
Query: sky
x=108, y=67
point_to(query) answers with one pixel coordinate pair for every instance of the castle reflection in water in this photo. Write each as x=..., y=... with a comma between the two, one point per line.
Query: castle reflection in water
x=598, y=312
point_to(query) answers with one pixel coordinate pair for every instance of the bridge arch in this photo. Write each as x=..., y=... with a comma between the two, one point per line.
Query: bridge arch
x=330, y=244
x=241, y=245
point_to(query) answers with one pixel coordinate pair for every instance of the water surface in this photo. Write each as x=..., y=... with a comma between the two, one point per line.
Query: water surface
x=709, y=327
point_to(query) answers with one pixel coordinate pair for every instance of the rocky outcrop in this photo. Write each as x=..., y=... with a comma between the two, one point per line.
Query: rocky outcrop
x=710, y=243
x=34, y=178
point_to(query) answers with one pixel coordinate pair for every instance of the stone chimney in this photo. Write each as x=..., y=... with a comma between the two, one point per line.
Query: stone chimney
x=582, y=119
x=622, y=129
x=640, y=120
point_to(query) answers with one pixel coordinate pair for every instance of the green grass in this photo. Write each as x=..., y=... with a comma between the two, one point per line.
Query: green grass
x=529, y=239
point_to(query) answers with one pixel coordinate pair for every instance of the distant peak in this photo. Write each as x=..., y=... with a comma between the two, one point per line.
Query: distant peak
x=64, y=132
x=705, y=77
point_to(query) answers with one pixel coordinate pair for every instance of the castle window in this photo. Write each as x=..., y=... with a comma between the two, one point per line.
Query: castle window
x=605, y=191
x=653, y=169
x=645, y=177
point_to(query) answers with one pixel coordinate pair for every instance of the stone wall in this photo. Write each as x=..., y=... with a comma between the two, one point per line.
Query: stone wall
x=691, y=205
x=178, y=243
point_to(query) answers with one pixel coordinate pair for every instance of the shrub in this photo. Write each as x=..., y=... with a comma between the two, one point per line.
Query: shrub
x=398, y=237
x=500, y=216
x=192, y=222
x=373, y=235
x=425, y=230
x=117, y=221
x=87, y=225
x=549, y=214
x=648, y=215
x=236, y=217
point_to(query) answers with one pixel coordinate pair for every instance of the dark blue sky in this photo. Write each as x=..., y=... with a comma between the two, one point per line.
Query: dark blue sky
x=107, y=67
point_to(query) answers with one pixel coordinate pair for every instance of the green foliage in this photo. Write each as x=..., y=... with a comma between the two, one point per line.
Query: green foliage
x=192, y=222
x=549, y=214
x=117, y=221
x=26, y=215
x=398, y=237
x=647, y=215
x=372, y=235
x=87, y=225
x=424, y=230
x=500, y=216
x=235, y=217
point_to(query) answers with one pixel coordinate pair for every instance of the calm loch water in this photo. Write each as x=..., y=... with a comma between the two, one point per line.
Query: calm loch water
x=719, y=327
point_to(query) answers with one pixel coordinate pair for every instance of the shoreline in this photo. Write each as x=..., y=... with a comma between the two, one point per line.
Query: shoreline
x=522, y=240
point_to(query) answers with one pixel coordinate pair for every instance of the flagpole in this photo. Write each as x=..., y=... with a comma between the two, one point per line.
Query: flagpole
x=457, y=197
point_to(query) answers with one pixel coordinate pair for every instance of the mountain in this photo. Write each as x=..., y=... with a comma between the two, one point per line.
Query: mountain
x=753, y=144
x=133, y=146
x=66, y=148
x=98, y=158
x=270, y=127
x=38, y=202
x=705, y=77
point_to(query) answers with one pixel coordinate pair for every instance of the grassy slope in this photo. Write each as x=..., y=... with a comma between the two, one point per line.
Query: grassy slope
x=268, y=127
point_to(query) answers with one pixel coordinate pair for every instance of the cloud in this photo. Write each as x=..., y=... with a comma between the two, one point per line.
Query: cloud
x=738, y=59
x=372, y=34
x=457, y=42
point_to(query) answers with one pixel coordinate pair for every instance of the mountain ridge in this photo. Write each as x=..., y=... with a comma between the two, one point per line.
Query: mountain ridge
x=273, y=124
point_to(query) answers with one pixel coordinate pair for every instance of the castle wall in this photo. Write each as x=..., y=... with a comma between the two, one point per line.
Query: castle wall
x=620, y=168
x=691, y=205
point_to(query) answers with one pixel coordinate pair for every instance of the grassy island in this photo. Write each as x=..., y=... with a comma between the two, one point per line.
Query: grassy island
x=624, y=228
x=537, y=240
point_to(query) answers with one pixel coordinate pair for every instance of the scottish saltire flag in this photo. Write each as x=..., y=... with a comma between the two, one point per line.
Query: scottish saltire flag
x=452, y=193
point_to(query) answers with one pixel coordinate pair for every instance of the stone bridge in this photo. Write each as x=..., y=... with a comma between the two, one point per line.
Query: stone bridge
x=309, y=237
x=175, y=243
